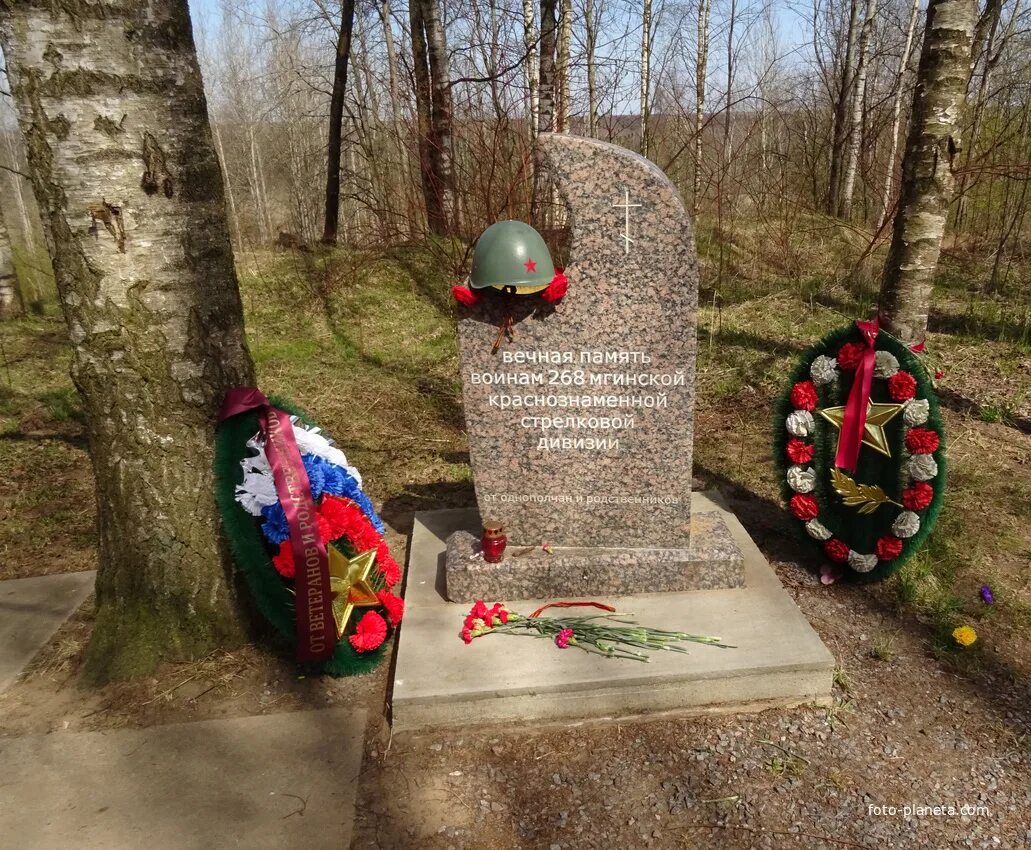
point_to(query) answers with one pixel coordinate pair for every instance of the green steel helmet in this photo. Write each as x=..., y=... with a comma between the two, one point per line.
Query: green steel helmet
x=511, y=256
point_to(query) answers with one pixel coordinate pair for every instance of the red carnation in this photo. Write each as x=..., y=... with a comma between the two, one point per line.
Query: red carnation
x=888, y=547
x=799, y=451
x=557, y=289
x=464, y=295
x=803, y=395
x=922, y=441
x=918, y=496
x=283, y=561
x=901, y=386
x=394, y=605
x=804, y=507
x=347, y=520
x=836, y=550
x=851, y=355
x=370, y=633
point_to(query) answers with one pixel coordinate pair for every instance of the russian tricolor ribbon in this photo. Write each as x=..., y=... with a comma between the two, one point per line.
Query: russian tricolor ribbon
x=853, y=424
x=316, y=632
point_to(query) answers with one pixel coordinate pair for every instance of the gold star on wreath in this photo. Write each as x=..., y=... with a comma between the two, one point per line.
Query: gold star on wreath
x=877, y=416
x=349, y=583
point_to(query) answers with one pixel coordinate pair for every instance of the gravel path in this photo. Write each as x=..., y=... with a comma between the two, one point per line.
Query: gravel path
x=906, y=729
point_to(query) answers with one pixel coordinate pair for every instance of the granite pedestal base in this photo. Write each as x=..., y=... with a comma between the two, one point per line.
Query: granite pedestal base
x=713, y=560
x=440, y=682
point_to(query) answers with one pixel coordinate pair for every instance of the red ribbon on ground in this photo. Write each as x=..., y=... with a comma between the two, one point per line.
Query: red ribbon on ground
x=853, y=424
x=316, y=632
x=544, y=608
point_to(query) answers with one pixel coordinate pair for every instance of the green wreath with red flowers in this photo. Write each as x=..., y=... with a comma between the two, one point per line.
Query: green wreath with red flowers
x=859, y=447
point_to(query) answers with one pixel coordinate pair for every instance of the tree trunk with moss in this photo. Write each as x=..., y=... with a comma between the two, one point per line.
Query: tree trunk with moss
x=8, y=279
x=112, y=107
x=927, y=169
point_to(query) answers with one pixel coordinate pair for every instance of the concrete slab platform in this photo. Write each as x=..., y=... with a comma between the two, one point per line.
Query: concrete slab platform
x=282, y=780
x=31, y=610
x=439, y=681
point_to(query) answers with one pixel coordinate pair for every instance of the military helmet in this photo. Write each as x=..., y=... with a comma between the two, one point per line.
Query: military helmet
x=511, y=256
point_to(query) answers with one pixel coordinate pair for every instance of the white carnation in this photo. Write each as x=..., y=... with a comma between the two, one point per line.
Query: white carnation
x=922, y=467
x=916, y=412
x=801, y=423
x=906, y=524
x=815, y=529
x=310, y=441
x=861, y=563
x=885, y=364
x=801, y=480
x=824, y=370
x=257, y=490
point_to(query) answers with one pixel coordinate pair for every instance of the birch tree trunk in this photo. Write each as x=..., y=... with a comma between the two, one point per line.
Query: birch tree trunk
x=896, y=114
x=591, y=47
x=840, y=118
x=646, y=63
x=8, y=278
x=547, y=66
x=234, y=218
x=532, y=74
x=927, y=177
x=855, y=135
x=701, y=70
x=565, y=40
x=393, y=77
x=433, y=107
x=112, y=107
x=336, y=123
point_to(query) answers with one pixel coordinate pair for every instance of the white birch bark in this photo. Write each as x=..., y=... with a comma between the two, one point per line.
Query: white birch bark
x=565, y=39
x=896, y=114
x=8, y=279
x=124, y=169
x=701, y=71
x=927, y=176
x=646, y=63
x=856, y=124
x=591, y=47
x=532, y=70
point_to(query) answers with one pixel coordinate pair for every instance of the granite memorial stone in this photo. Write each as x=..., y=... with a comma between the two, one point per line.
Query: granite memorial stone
x=581, y=425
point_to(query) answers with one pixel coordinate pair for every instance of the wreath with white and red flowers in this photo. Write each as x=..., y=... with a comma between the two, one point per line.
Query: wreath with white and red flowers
x=873, y=511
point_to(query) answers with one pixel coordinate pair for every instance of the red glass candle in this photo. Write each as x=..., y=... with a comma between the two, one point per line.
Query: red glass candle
x=493, y=543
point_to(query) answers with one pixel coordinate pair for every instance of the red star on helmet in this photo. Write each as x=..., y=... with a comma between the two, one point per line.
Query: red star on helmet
x=531, y=265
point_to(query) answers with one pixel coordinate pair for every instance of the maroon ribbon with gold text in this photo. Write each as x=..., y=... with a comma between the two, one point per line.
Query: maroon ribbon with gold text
x=316, y=632
x=853, y=424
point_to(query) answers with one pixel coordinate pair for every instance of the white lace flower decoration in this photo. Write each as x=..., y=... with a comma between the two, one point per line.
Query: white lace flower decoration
x=817, y=530
x=800, y=423
x=916, y=412
x=906, y=524
x=861, y=563
x=922, y=467
x=258, y=488
x=885, y=364
x=824, y=370
x=801, y=480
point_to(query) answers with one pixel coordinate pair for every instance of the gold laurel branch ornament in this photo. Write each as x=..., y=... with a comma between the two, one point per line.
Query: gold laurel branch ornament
x=867, y=497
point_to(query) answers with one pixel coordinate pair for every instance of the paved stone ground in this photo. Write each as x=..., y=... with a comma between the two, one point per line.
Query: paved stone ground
x=283, y=780
x=31, y=610
x=777, y=657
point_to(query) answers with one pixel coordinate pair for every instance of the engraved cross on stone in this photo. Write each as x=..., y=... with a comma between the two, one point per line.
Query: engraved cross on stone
x=626, y=206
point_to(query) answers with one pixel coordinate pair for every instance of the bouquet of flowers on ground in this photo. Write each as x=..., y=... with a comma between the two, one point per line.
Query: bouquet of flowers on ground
x=608, y=633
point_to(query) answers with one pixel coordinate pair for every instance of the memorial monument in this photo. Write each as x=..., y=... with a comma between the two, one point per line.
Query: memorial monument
x=581, y=425
x=580, y=415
